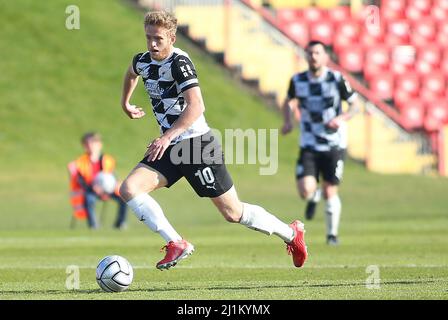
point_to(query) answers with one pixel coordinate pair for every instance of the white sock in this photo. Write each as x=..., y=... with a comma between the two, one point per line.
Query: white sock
x=150, y=213
x=333, y=215
x=257, y=218
x=317, y=195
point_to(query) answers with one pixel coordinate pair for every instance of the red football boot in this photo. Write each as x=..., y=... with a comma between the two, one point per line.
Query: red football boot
x=175, y=251
x=297, y=247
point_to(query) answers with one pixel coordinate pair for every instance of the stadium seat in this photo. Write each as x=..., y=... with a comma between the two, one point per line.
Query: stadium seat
x=377, y=60
x=392, y=9
x=412, y=114
x=348, y=28
x=401, y=98
x=423, y=67
x=339, y=14
x=427, y=95
x=424, y=28
x=313, y=14
x=390, y=15
x=441, y=40
x=408, y=82
x=322, y=31
x=413, y=14
x=439, y=14
x=370, y=70
x=371, y=37
x=378, y=55
x=441, y=4
x=430, y=53
x=400, y=30
x=404, y=54
x=351, y=58
x=287, y=15
x=436, y=114
x=382, y=86
x=398, y=68
x=423, y=6
x=435, y=82
x=298, y=31
x=442, y=26
x=394, y=5
x=444, y=66
x=340, y=42
x=442, y=33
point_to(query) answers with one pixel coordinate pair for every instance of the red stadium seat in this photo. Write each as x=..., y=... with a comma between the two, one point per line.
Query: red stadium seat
x=313, y=14
x=287, y=15
x=404, y=54
x=370, y=70
x=427, y=95
x=339, y=14
x=425, y=28
x=413, y=14
x=394, y=5
x=444, y=66
x=348, y=28
x=401, y=98
x=442, y=33
x=392, y=9
x=421, y=5
x=430, y=53
x=408, y=82
x=351, y=58
x=441, y=4
x=378, y=55
x=298, y=31
x=397, y=68
x=391, y=15
x=382, y=86
x=322, y=31
x=423, y=67
x=442, y=26
x=377, y=60
x=441, y=40
x=399, y=29
x=439, y=14
x=412, y=114
x=436, y=114
x=435, y=82
x=371, y=37
x=340, y=42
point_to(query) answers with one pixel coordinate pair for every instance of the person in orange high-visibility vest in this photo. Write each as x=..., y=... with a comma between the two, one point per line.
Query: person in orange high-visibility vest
x=84, y=192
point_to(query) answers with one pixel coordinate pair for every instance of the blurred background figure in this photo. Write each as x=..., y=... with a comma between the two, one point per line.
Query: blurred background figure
x=319, y=93
x=91, y=179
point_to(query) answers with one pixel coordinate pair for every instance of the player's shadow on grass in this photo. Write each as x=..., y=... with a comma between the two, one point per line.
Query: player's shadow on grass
x=165, y=289
x=288, y=286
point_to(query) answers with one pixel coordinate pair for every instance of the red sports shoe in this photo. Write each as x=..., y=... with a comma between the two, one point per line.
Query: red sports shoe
x=297, y=247
x=175, y=251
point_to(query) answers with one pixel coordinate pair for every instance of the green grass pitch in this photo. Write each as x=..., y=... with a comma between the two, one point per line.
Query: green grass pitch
x=57, y=84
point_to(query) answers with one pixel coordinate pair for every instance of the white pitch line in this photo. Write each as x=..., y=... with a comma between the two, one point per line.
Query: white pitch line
x=407, y=266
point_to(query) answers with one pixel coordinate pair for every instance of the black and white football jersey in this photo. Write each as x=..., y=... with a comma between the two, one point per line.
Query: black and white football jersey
x=320, y=101
x=165, y=81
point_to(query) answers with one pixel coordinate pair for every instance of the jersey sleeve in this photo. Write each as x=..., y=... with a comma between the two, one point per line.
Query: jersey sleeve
x=184, y=73
x=134, y=62
x=345, y=90
x=291, y=90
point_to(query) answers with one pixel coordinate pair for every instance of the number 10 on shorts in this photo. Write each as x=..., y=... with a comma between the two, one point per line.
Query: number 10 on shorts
x=205, y=175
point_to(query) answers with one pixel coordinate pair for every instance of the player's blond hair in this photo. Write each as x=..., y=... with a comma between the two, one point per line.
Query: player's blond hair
x=162, y=19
